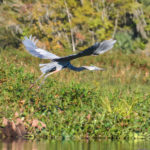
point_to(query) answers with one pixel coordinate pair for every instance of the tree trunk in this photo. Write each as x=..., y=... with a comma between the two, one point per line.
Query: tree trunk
x=116, y=25
x=71, y=30
x=141, y=23
x=81, y=1
x=104, y=11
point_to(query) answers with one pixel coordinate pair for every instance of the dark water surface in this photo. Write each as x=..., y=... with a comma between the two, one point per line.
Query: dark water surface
x=73, y=145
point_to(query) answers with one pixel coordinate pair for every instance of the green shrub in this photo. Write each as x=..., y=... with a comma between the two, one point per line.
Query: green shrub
x=124, y=42
x=113, y=104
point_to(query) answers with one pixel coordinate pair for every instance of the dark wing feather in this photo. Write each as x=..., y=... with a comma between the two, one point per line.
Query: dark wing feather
x=96, y=49
x=86, y=52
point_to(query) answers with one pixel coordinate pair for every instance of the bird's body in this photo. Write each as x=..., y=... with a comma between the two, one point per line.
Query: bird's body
x=58, y=63
x=53, y=66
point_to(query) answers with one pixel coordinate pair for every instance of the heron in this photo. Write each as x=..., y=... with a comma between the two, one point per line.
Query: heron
x=58, y=63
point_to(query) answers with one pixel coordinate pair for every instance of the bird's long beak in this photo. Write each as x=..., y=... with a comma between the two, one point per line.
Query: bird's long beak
x=102, y=69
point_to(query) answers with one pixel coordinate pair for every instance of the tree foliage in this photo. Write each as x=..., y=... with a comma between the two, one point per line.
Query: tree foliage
x=72, y=24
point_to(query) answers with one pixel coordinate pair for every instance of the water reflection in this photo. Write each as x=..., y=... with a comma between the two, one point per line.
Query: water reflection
x=20, y=144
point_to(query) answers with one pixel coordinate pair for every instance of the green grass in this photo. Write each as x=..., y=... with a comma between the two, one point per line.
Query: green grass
x=109, y=104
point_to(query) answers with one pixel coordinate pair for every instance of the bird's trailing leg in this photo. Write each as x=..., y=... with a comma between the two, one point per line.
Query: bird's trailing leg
x=47, y=76
x=36, y=81
x=40, y=77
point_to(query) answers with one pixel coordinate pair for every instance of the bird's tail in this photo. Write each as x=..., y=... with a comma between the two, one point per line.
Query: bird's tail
x=49, y=67
x=41, y=65
x=43, y=68
x=104, y=46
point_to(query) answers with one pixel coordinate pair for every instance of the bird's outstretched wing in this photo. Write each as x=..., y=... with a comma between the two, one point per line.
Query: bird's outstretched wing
x=91, y=68
x=30, y=45
x=96, y=49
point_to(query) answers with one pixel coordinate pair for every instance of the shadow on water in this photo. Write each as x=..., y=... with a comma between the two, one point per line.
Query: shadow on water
x=21, y=144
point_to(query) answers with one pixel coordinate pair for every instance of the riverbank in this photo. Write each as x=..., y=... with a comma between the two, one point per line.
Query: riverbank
x=109, y=104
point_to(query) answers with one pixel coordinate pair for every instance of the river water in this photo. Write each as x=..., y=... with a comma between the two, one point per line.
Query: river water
x=73, y=145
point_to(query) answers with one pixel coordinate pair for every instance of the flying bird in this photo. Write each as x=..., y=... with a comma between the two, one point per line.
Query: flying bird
x=58, y=63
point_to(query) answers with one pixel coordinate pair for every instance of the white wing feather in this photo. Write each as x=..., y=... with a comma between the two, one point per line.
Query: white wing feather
x=30, y=45
x=105, y=46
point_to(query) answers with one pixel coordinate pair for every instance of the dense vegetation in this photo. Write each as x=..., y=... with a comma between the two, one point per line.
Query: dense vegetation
x=75, y=24
x=113, y=103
